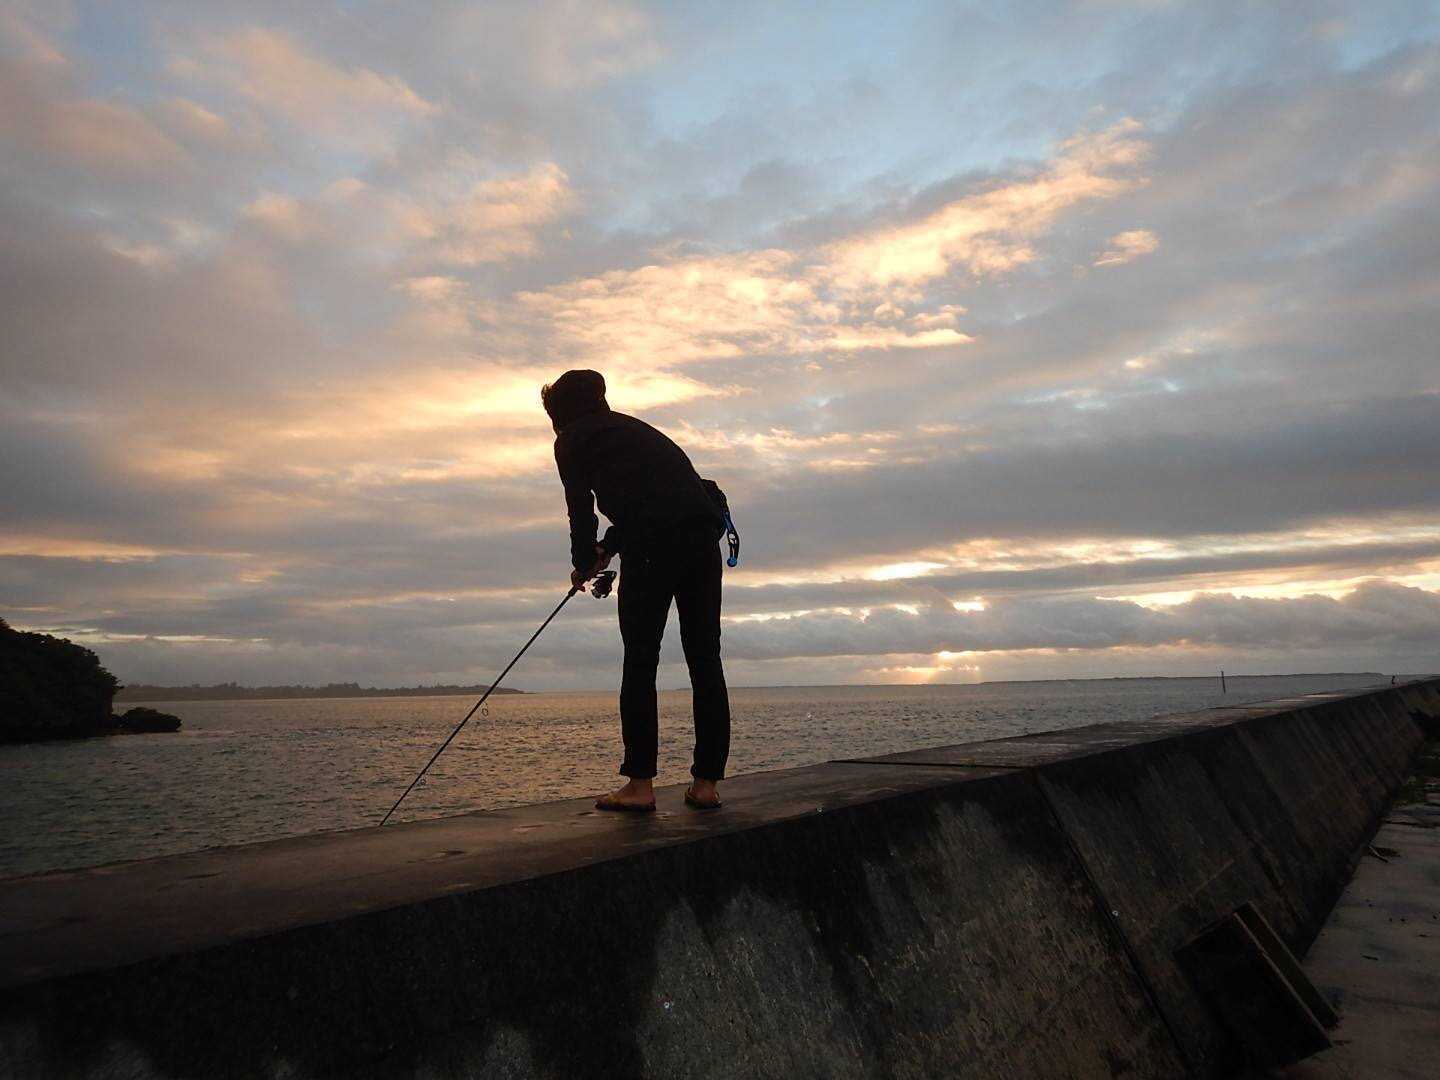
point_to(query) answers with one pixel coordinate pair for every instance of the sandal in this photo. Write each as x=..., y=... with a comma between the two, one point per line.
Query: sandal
x=605, y=802
x=696, y=804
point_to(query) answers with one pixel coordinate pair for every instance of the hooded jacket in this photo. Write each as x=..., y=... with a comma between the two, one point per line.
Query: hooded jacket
x=638, y=477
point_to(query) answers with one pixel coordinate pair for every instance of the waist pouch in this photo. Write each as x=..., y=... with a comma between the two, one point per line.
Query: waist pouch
x=722, y=504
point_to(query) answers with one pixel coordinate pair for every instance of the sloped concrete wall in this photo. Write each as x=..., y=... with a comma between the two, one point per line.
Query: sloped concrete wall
x=990, y=910
x=1180, y=832
x=1179, y=820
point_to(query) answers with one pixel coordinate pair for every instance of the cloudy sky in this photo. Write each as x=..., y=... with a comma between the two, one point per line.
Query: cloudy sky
x=1028, y=340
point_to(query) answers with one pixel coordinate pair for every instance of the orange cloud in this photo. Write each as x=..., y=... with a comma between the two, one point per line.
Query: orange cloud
x=495, y=220
x=487, y=221
x=426, y=422
x=712, y=307
x=272, y=70
x=993, y=231
x=105, y=135
x=848, y=296
x=203, y=129
x=41, y=110
x=1128, y=245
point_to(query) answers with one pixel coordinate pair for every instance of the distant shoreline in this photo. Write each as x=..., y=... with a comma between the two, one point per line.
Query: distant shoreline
x=232, y=692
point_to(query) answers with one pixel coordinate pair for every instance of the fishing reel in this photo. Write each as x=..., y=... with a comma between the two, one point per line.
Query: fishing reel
x=602, y=584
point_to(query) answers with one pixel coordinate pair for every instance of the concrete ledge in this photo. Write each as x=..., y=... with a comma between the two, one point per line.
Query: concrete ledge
x=100, y=917
x=996, y=909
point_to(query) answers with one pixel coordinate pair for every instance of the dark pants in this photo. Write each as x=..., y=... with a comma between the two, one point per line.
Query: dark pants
x=685, y=567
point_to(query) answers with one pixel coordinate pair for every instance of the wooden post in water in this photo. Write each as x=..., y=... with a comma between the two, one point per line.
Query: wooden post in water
x=1222, y=682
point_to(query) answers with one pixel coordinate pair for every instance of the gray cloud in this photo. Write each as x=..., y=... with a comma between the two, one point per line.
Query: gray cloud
x=1376, y=621
x=205, y=321
x=1373, y=458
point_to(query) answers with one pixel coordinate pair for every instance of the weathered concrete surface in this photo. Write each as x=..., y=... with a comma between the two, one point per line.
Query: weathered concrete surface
x=894, y=918
x=1378, y=957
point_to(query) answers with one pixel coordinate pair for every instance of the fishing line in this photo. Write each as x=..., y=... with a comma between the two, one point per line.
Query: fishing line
x=601, y=589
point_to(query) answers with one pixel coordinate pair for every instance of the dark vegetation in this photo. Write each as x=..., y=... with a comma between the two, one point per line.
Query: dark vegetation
x=51, y=688
x=234, y=692
x=1424, y=778
x=140, y=720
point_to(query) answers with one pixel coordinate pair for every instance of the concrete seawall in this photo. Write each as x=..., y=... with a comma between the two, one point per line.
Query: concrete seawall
x=992, y=909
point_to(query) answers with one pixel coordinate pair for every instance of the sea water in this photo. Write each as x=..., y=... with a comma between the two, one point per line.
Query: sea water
x=253, y=770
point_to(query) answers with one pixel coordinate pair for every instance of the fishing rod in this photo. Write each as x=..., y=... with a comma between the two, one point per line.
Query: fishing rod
x=599, y=590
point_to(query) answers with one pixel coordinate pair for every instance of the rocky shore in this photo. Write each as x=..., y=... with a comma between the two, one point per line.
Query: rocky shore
x=52, y=688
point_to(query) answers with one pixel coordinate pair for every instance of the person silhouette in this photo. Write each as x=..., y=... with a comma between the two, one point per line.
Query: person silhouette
x=665, y=527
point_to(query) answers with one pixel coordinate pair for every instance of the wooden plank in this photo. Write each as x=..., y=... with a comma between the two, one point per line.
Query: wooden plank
x=1270, y=1023
x=1281, y=956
